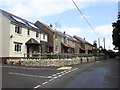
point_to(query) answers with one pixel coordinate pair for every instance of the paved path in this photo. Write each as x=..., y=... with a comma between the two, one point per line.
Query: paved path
x=99, y=74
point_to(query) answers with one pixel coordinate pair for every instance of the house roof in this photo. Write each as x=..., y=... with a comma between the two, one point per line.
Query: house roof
x=45, y=26
x=66, y=45
x=20, y=21
x=72, y=38
x=32, y=41
x=81, y=40
x=59, y=33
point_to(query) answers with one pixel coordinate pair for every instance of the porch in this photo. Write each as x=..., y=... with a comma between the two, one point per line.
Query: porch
x=33, y=48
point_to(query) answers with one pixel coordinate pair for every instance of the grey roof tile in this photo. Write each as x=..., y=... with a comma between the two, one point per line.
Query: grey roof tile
x=19, y=21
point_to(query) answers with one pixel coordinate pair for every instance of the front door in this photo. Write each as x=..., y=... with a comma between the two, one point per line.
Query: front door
x=28, y=51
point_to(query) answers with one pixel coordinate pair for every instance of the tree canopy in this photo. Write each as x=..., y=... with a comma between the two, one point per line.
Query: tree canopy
x=116, y=34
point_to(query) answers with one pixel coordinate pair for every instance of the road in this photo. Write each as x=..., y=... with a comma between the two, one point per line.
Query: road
x=98, y=74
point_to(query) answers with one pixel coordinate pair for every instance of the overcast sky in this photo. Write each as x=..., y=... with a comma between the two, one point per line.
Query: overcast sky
x=100, y=13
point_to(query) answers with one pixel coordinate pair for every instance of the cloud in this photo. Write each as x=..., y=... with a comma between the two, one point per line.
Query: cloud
x=103, y=30
x=41, y=8
x=72, y=31
x=38, y=8
x=108, y=43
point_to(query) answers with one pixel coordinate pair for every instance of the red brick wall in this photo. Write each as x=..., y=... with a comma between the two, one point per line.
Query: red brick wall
x=50, y=33
x=4, y=59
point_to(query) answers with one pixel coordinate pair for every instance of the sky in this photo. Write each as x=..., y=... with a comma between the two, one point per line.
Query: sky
x=64, y=16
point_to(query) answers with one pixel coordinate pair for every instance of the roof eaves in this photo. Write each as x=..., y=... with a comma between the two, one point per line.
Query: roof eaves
x=46, y=26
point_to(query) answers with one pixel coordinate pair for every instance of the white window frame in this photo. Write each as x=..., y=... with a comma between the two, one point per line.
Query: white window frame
x=17, y=47
x=43, y=36
x=56, y=48
x=37, y=34
x=56, y=37
x=18, y=30
x=28, y=32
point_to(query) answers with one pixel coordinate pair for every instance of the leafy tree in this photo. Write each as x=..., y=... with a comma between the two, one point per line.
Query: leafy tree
x=95, y=47
x=116, y=34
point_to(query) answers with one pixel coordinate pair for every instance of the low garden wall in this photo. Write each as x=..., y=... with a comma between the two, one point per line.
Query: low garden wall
x=52, y=62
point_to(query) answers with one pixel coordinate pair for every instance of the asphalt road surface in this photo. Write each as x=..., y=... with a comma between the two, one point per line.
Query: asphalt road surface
x=98, y=74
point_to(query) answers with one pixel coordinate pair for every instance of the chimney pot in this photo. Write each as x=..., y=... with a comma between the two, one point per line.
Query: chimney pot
x=51, y=25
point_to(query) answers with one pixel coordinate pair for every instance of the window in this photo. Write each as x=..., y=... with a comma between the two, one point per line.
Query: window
x=43, y=36
x=56, y=48
x=18, y=47
x=18, y=30
x=37, y=34
x=68, y=41
x=28, y=32
x=56, y=37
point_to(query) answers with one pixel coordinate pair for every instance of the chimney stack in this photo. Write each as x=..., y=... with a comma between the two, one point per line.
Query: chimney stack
x=51, y=25
x=64, y=32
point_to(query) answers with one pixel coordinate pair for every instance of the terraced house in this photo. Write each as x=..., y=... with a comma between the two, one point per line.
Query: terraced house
x=20, y=38
x=50, y=32
x=86, y=47
x=23, y=39
x=64, y=43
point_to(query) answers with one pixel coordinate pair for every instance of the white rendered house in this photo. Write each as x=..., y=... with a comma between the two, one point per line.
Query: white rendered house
x=19, y=38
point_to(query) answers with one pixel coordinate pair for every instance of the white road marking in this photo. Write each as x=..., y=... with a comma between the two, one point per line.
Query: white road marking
x=55, y=76
x=29, y=75
x=37, y=86
x=63, y=74
x=69, y=71
x=44, y=83
x=57, y=73
x=66, y=72
x=51, y=79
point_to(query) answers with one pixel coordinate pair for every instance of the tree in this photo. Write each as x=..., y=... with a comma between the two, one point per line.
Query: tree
x=95, y=47
x=116, y=34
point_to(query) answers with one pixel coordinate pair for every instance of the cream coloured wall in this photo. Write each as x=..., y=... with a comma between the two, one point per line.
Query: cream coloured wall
x=4, y=36
x=42, y=39
x=23, y=38
x=88, y=47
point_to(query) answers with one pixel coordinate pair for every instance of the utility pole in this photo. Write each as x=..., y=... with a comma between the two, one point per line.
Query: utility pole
x=104, y=42
x=99, y=42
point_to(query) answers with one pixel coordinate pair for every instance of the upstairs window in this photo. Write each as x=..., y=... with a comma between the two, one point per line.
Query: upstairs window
x=56, y=37
x=43, y=36
x=37, y=34
x=28, y=32
x=18, y=30
x=18, y=47
x=56, y=48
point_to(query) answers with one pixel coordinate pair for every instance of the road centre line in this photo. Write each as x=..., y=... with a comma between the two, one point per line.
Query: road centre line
x=30, y=75
x=37, y=86
x=57, y=76
x=44, y=83
x=51, y=79
x=54, y=75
